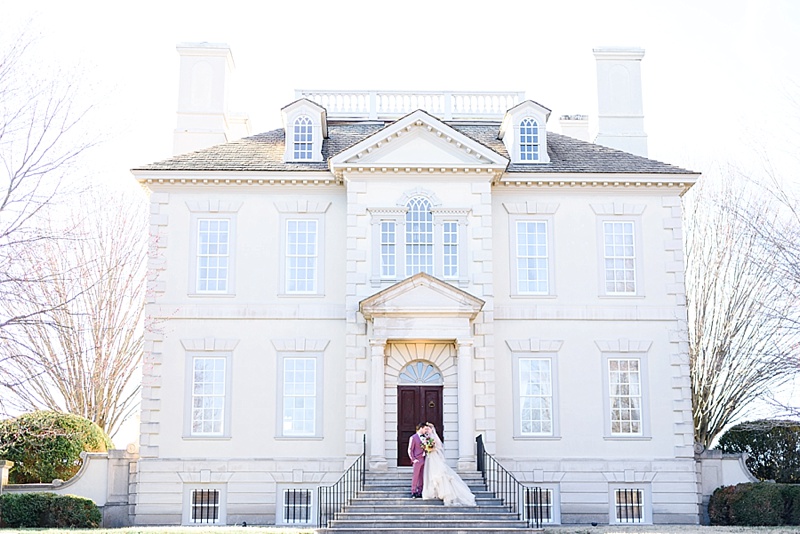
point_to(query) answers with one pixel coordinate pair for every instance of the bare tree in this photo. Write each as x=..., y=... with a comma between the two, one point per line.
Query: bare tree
x=82, y=352
x=40, y=145
x=741, y=331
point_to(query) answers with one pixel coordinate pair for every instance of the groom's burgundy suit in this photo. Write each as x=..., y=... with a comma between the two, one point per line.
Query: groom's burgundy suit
x=416, y=452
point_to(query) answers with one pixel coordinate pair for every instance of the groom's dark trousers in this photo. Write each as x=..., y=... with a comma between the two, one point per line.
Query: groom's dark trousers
x=416, y=452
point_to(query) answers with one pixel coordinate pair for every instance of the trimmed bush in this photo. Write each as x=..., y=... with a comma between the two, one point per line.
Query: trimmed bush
x=772, y=446
x=759, y=504
x=45, y=445
x=47, y=510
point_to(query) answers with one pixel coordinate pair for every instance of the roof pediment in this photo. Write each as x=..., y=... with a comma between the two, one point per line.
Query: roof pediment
x=418, y=140
x=421, y=295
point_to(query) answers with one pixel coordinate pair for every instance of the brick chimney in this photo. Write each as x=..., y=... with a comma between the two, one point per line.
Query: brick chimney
x=620, y=117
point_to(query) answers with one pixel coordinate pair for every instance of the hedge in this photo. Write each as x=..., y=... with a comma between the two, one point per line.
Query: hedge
x=772, y=447
x=47, y=510
x=755, y=504
x=46, y=445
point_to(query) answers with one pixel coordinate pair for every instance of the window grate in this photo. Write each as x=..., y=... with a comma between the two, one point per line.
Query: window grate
x=629, y=505
x=297, y=506
x=205, y=506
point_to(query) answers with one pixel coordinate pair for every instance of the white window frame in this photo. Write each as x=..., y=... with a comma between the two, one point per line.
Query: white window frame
x=211, y=210
x=225, y=431
x=628, y=213
x=296, y=211
x=626, y=350
x=647, y=506
x=302, y=125
x=316, y=354
x=531, y=212
x=555, y=503
x=615, y=252
x=281, y=505
x=292, y=226
x=535, y=142
x=535, y=349
x=188, y=491
x=548, y=258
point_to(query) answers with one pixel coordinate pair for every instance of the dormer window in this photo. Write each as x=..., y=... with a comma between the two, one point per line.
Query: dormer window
x=305, y=126
x=528, y=140
x=524, y=132
x=303, y=138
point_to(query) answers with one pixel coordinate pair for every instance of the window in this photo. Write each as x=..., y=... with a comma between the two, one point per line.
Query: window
x=213, y=240
x=450, y=251
x=301, y=255
x=205, y=506
x=629, y=505
x=208, y=396
x=297, y=506
x=532, y=257
x=536, y=397
x=625, y=394
x=303, y=138
x=419, y=237
x=540, y=503
x=619, y=256
x=299, y=396
x=528, y=140
x=388, y=249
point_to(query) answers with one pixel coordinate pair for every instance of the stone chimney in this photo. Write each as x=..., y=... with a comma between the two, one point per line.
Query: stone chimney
x=203, y=117
x=576, y=126
x=620, y=117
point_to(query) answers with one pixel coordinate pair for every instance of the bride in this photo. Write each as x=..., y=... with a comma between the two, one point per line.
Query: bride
x=440, y=481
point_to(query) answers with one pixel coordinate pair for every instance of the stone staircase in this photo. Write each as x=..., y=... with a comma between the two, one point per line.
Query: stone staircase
x=385, y=507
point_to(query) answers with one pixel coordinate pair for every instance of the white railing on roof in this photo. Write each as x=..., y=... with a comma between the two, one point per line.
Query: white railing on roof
x=446, y=105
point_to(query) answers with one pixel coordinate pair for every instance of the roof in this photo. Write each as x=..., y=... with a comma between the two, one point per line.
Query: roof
x=265, y=152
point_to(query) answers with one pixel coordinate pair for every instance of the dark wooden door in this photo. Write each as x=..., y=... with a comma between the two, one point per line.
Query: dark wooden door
x=416, y=404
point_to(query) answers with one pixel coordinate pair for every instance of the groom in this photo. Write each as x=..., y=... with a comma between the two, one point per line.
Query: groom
x=417, y=455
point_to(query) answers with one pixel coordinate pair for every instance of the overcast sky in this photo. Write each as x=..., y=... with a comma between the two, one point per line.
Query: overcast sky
x=717, y=75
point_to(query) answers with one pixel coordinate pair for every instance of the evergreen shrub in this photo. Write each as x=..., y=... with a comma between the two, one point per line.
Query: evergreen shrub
x=47, y=510
x=755, y=504
x=772, y=446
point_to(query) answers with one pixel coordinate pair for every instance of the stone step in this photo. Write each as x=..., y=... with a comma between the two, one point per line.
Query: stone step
x=427, y=516
x=436, y=530
x=432, y=507
x=487, y=499
x=415, y=526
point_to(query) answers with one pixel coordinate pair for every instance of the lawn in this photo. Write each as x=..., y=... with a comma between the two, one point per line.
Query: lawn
x=553, y=530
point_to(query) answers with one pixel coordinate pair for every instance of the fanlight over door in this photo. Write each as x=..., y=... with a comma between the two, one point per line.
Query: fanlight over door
x=419, y=400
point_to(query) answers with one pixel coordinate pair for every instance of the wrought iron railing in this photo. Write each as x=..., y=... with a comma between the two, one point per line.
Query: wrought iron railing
x=331, y=499
x=531, y=504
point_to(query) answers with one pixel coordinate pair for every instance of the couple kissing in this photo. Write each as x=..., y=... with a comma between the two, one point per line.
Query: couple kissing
x=433, y=478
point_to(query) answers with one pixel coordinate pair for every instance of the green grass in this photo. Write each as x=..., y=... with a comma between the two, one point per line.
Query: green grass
x=602, y=529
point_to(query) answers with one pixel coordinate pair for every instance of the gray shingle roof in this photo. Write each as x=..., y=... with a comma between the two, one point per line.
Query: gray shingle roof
x=264, y=152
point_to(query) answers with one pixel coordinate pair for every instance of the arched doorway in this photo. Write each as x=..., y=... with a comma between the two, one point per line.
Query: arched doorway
x=419, y=399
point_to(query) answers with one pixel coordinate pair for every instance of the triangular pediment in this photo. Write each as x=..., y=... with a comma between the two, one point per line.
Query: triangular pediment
x=419, y=140
x=421, y=295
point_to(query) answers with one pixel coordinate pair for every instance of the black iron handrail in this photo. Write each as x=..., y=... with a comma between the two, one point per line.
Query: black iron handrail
x=529, y=503
x=331, y=499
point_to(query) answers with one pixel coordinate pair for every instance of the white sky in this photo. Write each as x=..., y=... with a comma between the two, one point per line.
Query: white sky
x=721, y=78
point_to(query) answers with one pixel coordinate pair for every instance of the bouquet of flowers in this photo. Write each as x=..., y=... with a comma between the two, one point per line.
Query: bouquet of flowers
x=428, y=444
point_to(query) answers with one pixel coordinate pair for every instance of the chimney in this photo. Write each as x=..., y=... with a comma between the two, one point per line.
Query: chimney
x=203, y=117
x=576, y=126
x=620, y=118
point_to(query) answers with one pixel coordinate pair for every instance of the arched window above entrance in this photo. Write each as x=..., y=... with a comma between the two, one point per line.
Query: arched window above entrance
x=420, y=372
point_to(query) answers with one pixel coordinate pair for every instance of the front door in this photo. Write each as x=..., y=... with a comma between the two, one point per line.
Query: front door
x=416, y=404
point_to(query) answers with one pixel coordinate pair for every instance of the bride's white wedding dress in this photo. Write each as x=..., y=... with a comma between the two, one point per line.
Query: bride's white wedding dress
x=441, y=482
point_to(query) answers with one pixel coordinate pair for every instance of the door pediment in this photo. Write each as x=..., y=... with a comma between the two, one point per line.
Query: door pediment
x=421, y=296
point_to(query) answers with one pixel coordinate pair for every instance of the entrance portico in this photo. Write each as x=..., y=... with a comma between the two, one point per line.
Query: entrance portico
x=427, y=320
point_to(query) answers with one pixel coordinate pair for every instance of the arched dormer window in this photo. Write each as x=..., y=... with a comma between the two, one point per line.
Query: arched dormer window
x=303, y=138
x=528, y=140
x=419, y=236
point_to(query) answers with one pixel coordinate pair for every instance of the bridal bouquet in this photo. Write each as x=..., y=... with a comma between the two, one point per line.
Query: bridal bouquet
x=428, y=444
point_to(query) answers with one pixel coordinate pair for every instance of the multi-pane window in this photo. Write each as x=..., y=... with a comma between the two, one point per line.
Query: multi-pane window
x=301, y=255
x=450, y=248
x=299, y=396
x=625, y=392
x=419, y=237
x=539, y=505
x=536, y=396
x=303, y=138
x=388, y=249
x=208, y=396
x=528, y=140
x=213, y=249
x=629, y=505
x=619, y=256
x=204, y=506
x=532, y=257
x=297, y=506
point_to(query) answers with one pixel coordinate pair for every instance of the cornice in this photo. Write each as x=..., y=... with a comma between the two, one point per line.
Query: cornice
x=592, y=180
x=237, y=178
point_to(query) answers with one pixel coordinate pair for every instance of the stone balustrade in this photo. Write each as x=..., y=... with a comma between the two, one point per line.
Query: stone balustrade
x=446, y=105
